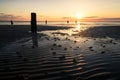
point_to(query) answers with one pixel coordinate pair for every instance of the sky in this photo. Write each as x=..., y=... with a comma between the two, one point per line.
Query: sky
x=60, y=10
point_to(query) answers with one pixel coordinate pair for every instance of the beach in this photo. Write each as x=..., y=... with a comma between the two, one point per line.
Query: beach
x=63, y=53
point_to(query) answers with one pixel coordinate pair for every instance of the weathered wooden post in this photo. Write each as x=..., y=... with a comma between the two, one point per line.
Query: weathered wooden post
x=33, y=23
x=34, y=30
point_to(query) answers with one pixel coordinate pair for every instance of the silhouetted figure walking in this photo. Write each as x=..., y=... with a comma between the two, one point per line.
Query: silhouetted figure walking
x=11, y=22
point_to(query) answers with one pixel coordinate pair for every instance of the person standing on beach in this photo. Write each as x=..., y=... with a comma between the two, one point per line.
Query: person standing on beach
x=45, y=21
x=11, y=22
x=67, y=22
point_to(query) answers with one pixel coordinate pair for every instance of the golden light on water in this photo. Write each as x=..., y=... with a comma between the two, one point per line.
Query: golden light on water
x=78, y=26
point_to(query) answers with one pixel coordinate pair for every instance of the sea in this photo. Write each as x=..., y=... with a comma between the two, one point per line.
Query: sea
x=62, y=23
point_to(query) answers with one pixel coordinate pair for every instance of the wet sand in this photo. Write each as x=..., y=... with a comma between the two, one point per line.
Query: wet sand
x=60, y=55
x=10, y=33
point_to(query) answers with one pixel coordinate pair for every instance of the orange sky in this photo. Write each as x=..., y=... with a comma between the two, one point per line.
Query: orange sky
x=60, y=10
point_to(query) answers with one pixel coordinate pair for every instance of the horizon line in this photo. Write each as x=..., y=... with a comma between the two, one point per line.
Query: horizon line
x=56, y=21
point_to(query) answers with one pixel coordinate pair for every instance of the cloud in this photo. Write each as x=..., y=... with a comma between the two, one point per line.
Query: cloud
x=7, y=17
x=91, y=17
x=1, y=13
x=66, y=17
x=110, y=18
x=96, y=18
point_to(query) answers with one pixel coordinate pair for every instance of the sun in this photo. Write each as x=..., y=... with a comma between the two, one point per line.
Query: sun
x=78, y=15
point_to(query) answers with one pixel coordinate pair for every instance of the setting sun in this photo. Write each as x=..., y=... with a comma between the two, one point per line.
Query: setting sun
x=78, y=15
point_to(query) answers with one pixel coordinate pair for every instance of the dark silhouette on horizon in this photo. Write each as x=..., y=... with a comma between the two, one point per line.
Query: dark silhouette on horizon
x=45, y=21
x=67, y=21
x=11, y=22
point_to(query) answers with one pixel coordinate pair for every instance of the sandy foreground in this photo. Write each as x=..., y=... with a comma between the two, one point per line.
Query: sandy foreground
x=59, y=55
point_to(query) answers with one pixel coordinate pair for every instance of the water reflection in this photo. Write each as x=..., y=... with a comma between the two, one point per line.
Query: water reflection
x=35, y=40
x=81, y=26
x=78, y=26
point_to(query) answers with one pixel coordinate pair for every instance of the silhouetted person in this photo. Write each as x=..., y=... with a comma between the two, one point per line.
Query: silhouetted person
x=67, y=21
x=11, y=22
x=46, y=22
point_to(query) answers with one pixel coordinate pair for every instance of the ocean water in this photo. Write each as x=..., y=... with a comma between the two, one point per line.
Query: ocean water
x=63, y=23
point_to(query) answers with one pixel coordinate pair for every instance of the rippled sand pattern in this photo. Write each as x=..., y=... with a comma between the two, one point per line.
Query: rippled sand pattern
x=66, y=58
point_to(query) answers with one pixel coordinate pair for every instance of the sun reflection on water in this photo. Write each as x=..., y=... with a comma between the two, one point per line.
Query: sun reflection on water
x=78, y=26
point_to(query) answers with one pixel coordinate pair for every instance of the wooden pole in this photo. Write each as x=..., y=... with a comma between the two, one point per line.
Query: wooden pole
x=33, y=23
x=34, y=30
